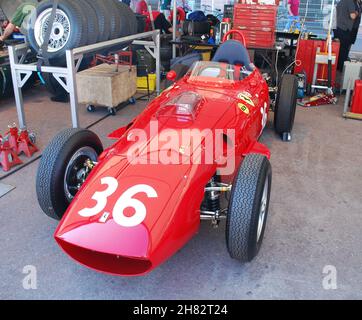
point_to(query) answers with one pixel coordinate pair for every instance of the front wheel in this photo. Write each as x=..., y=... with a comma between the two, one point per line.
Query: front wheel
x=112, y=111
x=64, y=167
x=248, y=208
x=91, y=108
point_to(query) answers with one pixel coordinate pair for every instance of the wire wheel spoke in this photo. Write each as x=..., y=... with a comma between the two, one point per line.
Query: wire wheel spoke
x=60, y=33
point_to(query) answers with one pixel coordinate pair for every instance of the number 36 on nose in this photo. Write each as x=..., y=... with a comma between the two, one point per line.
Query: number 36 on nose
x=126, y=200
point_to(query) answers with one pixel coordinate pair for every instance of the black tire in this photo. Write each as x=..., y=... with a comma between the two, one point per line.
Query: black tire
x=123, y=21
x=129, y=18
x=6, y=83
x=112, y=111
x=132, y=20
x=286, y=104
x=2, y=83
x=242, y=221
x=52, y=85
x=166, y=53
x=92, y=21
x=166, y=48
x=91, y=108
x=77, y=20
x=52, y=169
x=196, y=27
x=104, y=26
x=165, y=40
x=114, y=19
x=141, y=23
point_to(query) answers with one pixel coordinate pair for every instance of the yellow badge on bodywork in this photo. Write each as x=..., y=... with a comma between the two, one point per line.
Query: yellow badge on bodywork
x=246, y=98
x=244, y=108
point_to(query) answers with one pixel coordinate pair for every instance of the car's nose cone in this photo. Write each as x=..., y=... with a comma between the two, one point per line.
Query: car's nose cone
x=108, y=247
x=110, y=238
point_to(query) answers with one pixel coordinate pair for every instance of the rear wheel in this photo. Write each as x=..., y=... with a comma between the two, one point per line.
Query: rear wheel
x=64, y=168
x=286, y=104
x=248, y=208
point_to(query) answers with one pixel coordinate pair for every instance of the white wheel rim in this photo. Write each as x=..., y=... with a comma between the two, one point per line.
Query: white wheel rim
x=60, y=33
x=263, y=209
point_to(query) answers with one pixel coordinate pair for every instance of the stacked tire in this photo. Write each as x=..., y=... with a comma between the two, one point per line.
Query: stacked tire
x=79, y=23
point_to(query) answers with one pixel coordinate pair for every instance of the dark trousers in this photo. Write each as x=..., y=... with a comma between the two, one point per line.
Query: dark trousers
x=162, y=24
x=354, y=35
x=345, y=38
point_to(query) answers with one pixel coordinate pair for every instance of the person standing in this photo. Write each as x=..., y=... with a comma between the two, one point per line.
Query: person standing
x=158, y=19
x=346, y=16
x=357, y=21
x=20, y=14
x=293, y=19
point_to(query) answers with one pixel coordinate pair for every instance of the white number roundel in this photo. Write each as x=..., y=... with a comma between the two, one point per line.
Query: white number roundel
x=101, y=198
x=126, y=200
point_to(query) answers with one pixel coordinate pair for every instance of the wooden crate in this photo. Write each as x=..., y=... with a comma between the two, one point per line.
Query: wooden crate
x=104, y=86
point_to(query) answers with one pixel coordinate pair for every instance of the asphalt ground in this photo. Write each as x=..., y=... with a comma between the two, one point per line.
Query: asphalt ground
x=315, y=221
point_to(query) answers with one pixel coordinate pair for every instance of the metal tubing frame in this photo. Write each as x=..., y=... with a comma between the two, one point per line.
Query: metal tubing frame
x=21, y=72
x=174, y=28
x=348, y=97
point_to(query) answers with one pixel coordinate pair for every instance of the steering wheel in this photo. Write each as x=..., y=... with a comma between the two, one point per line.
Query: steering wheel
x=238, y=32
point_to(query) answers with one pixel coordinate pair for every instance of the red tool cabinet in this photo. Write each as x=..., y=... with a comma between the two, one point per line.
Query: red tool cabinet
x=257, y=22
x=306, y=54
x=356, y=106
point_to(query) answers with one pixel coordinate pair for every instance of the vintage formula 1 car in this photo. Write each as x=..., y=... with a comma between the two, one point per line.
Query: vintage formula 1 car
x=192, y=155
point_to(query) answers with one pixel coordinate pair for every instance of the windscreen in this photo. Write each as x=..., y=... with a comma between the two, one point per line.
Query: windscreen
x=216, y=73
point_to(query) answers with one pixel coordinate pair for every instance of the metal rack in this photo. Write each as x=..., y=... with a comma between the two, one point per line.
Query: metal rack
x=66, y=76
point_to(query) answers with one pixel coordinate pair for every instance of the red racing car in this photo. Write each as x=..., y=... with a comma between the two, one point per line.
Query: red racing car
x=192, y=155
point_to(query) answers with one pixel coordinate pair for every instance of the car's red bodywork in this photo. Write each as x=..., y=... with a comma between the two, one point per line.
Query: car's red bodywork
x=173, y=218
